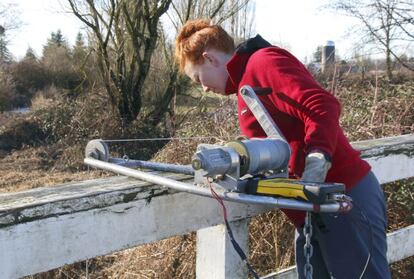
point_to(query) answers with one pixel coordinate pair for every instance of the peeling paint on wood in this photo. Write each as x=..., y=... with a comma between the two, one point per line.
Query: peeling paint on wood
x=69, y=198
x=400, y=244
x=386, y=146
x=43, y=244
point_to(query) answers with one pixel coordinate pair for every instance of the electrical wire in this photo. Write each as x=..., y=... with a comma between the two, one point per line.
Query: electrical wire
x=233, y=241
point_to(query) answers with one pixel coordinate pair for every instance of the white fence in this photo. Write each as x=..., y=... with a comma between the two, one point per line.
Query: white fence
x=49, y=227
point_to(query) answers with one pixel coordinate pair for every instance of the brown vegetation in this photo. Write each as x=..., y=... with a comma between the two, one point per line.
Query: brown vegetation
x=30, y=168
x=371, y=109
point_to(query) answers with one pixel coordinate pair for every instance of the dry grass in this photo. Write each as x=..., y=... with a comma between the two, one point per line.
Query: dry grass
x=46, y=98
x=170, y=258
x=374, y=108
x=371, y=109
x=214, y=126
x=271, y=239
x=29, y=168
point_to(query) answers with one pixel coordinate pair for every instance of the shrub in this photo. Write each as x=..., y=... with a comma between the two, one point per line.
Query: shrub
x=20, y=132
x=45, y=98
x=71, y=123
x=29, y=77
x=376, y=108
x=7, y=91
x=59, y=68
x=202, y=126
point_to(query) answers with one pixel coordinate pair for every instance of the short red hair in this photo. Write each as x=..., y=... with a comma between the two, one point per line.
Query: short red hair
x=198, y=35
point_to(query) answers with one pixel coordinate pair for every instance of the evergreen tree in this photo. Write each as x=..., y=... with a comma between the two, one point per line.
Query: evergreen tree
x=5, y=55
x=79, y=43
x=57, y=61
x=317, y=55
x=79, y=50
x=56, y=41
x=30, y=54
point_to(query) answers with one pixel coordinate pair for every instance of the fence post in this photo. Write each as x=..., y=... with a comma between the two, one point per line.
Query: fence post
x=216, y=257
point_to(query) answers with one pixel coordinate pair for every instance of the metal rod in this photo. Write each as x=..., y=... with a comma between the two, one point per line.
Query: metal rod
x=153, y=165
x=158, y=139
x=260, y=113
x=228, y=196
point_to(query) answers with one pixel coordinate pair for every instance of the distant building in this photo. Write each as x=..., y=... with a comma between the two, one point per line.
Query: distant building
x=328, y=56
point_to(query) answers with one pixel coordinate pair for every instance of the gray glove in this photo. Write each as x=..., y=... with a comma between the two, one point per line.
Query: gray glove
x=316, y=167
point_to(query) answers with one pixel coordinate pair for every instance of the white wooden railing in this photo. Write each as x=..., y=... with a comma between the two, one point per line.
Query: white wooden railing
x=49, y=227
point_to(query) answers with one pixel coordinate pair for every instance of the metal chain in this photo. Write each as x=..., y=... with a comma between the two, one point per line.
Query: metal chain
x=125, y=158
x=308, y=248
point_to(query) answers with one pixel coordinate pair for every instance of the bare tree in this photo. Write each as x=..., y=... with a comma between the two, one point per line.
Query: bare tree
x=237, y=15
x=385, y=23
x=9, y=19
x=125, y=34
x=403, y=18
x=9, y=22
x=241, y=22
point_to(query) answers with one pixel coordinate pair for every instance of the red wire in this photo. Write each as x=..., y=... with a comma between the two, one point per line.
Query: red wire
x=219, y=199
x=233, y=241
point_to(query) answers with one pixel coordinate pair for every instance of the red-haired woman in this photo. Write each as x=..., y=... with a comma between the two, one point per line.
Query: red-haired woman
x=351, y=245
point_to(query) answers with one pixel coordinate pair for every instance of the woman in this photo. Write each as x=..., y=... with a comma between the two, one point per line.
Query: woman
x=351, y=245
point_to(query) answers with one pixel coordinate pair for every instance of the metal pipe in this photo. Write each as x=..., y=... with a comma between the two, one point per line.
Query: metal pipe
x=228, y=196
x=153, y=165
x=260, y=113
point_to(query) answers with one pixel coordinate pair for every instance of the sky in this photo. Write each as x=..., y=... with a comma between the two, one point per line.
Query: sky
x=298, y=25
x=302, y=25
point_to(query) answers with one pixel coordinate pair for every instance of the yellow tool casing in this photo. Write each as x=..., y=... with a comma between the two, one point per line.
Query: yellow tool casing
x=317, y=193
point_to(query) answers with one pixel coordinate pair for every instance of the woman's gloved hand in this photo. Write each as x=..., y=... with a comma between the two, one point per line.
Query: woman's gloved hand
x=317, y=165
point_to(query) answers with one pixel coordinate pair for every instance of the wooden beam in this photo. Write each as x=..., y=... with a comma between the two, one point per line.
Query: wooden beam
x=216, y=257
x=400, y=244
x=42, y=244
x=391, y=158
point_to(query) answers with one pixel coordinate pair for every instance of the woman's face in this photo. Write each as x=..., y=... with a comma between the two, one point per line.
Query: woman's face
x=212, y=73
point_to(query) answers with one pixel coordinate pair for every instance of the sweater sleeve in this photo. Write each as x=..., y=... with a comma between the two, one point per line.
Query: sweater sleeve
x=296, y=93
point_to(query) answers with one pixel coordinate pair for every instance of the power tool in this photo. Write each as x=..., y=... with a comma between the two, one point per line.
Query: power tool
x=258, y=166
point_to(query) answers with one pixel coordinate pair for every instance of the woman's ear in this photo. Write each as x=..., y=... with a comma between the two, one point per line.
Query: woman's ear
x=208, y=56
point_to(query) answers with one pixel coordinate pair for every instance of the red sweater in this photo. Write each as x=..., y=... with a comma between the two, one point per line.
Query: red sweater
x=307, y=115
